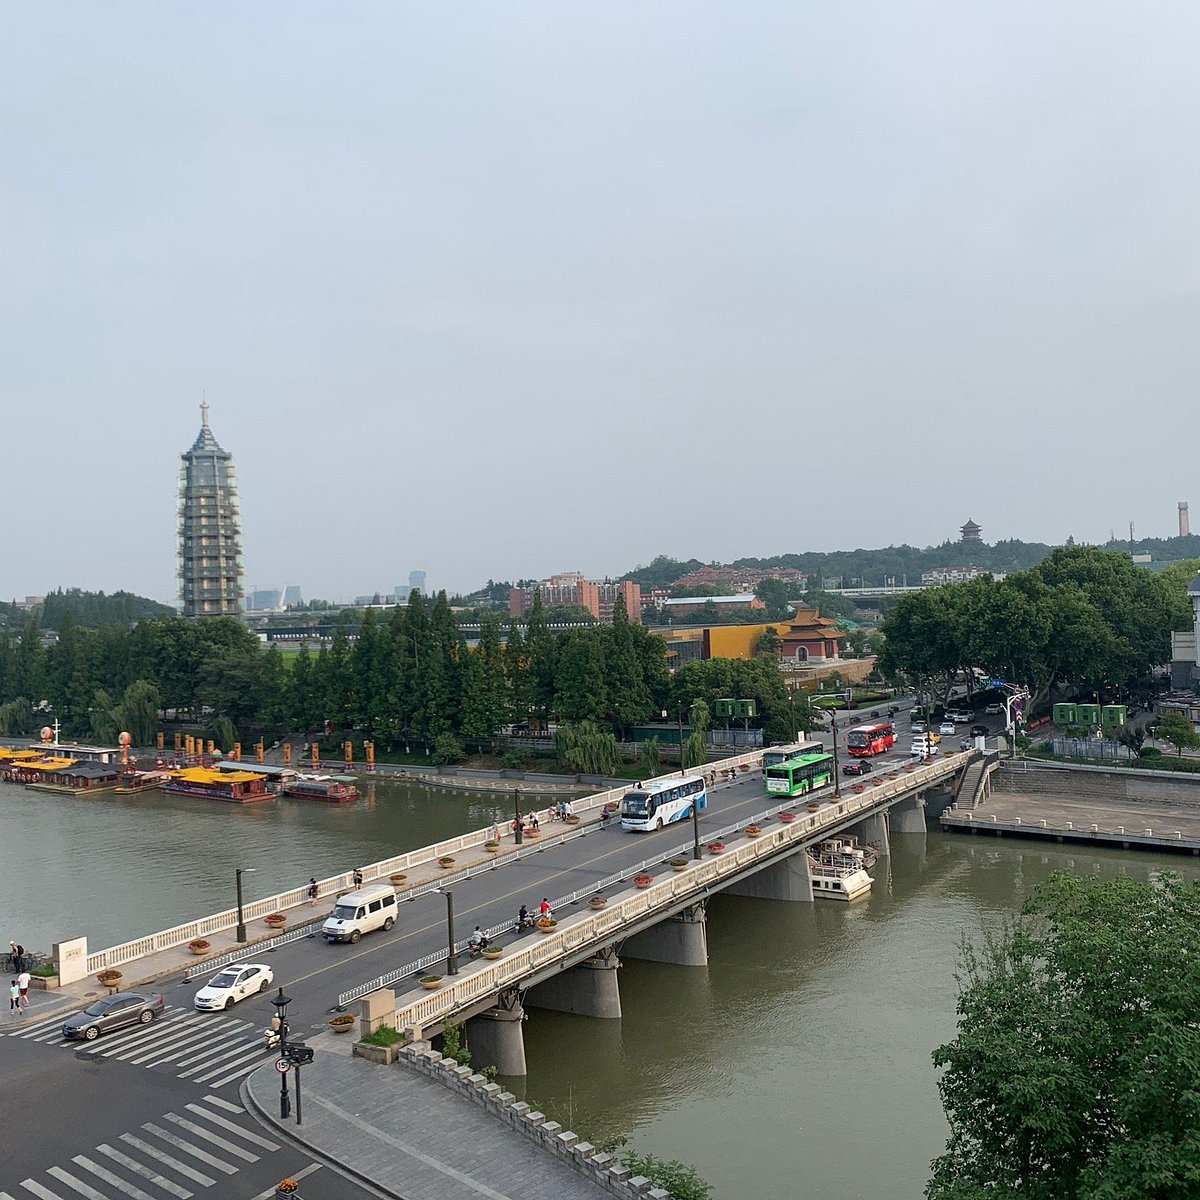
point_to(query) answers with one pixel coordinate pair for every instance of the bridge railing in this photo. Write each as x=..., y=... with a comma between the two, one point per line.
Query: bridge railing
x=255, y=910
x=598, y=927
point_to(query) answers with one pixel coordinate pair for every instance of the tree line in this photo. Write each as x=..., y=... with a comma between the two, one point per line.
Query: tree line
x=409, y=676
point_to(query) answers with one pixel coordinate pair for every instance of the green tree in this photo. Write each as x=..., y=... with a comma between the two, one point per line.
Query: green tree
x=776, y=595
x=138, y=711
x=580, y=680
x=651, y=757
x=1073, y=1072
x=541, y=659
x=1175, y=728
x=768, y=643
x=588, y=749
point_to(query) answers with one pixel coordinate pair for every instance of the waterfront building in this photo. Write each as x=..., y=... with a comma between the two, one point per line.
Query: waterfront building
x=571, y=588
x=210, y=530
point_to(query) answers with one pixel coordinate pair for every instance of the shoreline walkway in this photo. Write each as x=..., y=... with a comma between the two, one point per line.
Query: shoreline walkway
x=408, y=1135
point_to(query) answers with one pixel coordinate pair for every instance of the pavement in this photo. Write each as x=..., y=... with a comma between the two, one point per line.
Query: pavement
x=407, y=1135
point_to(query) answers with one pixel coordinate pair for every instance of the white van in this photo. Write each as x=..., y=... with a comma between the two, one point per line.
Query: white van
x=360, y=912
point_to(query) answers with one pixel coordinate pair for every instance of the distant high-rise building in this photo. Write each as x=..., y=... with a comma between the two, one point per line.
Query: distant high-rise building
x=571, y=588
x=264, y=600
x=970, y=532
x=210, y=529
x=1184, y=526
x=292, y=596
x=416, y=581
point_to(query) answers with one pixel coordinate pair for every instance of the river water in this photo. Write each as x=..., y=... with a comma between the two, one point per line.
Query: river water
x=797, y=1064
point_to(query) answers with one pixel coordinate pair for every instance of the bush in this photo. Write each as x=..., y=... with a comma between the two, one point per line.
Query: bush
x=1149, y=752
x=675, y=1177
x=383, y=1036
x=45, y=971
x=513, y=760
x=447, y=749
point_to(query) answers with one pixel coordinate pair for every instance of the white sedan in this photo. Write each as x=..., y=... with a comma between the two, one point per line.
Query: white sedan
x=234, y=983
x=946, y=727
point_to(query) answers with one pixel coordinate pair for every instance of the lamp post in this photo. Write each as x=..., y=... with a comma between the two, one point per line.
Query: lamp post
x=281, y=1002
x=837, y=774
x=451, y=957
x=679, y=723
x=1009, y=724
x=241, y=920
x=517, y=822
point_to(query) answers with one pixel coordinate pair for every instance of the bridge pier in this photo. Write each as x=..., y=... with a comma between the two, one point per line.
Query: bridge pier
x=681, y=940
x=909, y=815
x=496, y=1039
x=589, y=989
x=873, y=830
x=786, y=879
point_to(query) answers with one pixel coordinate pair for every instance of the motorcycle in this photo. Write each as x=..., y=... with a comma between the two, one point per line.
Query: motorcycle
x=475, y=949
x=521, y=924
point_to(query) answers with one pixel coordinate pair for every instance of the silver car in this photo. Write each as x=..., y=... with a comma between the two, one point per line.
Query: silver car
x=113, y=1012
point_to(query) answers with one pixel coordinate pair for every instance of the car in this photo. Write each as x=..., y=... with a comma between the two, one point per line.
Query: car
x=958, y=716
x=993, y=710
x=946, y=727
x=934, y=738
x=979, y=731
x=113, y=1012
x=892, y=710
x=235, y=983
x=859, y=766
x=919, y=726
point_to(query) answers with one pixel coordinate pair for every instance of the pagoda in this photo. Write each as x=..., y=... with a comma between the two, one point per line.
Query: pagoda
x=970, y=532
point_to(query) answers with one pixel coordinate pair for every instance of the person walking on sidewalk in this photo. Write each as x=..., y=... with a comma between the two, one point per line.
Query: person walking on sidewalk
x=313, y=892
x=357, y=877
x=14, y=998
x=23, y=988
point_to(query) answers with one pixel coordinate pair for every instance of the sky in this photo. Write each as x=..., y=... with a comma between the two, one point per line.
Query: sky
x=503, y=289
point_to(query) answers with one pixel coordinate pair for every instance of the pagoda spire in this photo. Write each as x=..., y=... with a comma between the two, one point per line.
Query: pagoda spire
x=204, y=413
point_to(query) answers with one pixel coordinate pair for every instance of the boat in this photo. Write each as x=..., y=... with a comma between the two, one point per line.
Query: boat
x=235, y=787
x=34, y=771
x=90, y=777
x=853, y=845
x=332, y=789
x=838, y=871
x=131, y=781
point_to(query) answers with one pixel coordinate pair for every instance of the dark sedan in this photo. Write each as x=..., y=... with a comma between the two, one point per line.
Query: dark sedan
x=979, y=731
x=857, y=767
x=113, y=1012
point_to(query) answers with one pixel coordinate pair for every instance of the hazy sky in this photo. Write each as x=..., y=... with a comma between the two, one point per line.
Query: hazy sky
x=502, y=289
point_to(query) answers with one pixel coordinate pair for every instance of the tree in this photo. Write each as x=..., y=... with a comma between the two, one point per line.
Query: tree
x=1073, y=1072
x=768, y=643
x=651, y=757
x=1175, y=728
x=776, y=595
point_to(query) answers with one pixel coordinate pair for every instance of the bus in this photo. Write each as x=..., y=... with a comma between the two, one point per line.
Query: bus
x=777, y=754
x=653, y=805
x=799, y=775
x=865, y=740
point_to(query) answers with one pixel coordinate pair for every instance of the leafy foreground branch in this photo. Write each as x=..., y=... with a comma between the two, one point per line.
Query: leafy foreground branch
x=1075, y=1074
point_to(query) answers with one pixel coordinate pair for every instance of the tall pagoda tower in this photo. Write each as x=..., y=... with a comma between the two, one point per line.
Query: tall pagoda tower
x=210, y=529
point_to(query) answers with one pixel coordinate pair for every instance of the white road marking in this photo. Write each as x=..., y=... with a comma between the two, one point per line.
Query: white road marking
x=168, y=1160
x=253, y=1138
x=154, y=1177
x=204, y=1135
x=174, y=1140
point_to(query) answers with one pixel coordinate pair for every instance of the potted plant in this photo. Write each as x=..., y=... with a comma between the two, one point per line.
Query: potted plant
x=753, y=830
x=275, y=920
x=642, y=881
x=679, y=864
x=533, y=833
x=813, y=805
x=493, y=952
x=110, y=977
x=398, y=879
x=860, y=787
x=716, y=847
x=199, y=945
x=788, y=817
x=547, y=924
x=446, y=862
x=597, y=903
x=572, y=818
x=491, y=847
x=342, y=1023
x=431, y=982
x=286, y=1187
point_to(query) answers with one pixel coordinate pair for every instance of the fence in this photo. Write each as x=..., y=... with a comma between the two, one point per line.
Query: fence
x=1092, y=749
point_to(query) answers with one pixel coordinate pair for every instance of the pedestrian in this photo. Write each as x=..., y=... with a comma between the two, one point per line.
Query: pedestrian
x=562, y=810
x=495, y=831
x=357, y=877
x=552, y=813
x=14, y=998
x=17, y=956
x=23, y=988
x=313, y=892
x=545, y=909
x=533, y=821
x=518, y=826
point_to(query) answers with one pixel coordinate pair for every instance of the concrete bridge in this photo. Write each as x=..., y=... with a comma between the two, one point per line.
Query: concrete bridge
x=574, y=967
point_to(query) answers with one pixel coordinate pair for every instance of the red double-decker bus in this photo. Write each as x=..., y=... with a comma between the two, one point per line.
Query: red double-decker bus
x=865, y=740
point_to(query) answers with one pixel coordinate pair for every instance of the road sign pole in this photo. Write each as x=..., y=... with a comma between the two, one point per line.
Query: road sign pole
x=297, y=1094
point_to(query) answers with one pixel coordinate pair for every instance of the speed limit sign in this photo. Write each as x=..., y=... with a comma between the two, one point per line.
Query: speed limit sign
x=282, y=1066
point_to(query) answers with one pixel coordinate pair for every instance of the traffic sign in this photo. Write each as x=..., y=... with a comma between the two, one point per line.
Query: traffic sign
x=282, y=1066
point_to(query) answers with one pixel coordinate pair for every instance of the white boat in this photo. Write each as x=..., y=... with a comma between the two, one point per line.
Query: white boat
x=838, y=870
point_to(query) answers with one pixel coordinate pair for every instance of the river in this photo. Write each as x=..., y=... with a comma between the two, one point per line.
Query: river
x=796, y=1064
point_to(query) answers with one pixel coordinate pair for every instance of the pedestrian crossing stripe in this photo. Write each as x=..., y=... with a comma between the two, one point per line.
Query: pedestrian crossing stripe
x=207, y=1048
x=154, y=1157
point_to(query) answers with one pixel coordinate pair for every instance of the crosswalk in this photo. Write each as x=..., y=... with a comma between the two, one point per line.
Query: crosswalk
x=198, y=1147
x=207, y=1048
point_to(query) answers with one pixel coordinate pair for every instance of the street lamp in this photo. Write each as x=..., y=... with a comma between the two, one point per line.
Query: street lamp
x=1009, y=724
x=679, y=721
x=837, y=774
x=451, y=957
x=241, y=920
x=281, y=1002
x=517, y=823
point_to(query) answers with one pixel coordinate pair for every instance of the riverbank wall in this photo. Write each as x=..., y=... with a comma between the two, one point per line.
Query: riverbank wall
x=1113, y=786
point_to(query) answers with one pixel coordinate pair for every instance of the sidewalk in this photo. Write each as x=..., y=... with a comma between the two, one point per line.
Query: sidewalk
x=408, y=1135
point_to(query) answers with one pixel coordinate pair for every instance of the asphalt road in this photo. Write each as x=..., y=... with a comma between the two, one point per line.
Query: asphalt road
x=78, y=1123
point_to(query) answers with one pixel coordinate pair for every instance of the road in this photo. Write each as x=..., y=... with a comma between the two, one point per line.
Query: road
x=81, y=1121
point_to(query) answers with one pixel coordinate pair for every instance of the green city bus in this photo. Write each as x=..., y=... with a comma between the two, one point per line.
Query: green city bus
x=798, y=775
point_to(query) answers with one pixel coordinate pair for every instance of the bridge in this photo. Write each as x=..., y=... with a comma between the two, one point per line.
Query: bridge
x=574, y=967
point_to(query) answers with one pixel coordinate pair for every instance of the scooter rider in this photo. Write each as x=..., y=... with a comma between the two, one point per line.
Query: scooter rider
x=524, y=920
x=477, y=941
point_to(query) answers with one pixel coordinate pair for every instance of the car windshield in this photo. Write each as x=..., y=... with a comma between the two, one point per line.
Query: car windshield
x=344, y=912
x=99, y=1008
x=226, y=979
x=634, y=804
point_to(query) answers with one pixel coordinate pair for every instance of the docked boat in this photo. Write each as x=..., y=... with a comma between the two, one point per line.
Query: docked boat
x=132, y=781
x=838, y=870
x=89, y=777
x=331, y=789
x=234, y=787
x=36, y=770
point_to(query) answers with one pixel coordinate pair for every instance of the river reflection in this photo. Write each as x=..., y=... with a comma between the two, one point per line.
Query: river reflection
x=798, y=1062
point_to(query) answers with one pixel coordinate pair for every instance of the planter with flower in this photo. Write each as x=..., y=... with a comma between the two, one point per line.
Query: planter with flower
x=492, y=847
x=397, y=879
x=493, y=952
x=642, y=881
x=446, y=862
x=275, y=920
x=287, y=1188
x=342, y=1023
x=788, y=817
x=110, y=977
x=754, y=831
x=547, y=924
x=431, y=982
x=199, y=945
x=716, y=847
x=597, y=903
x=859, y=787
x=679, y=864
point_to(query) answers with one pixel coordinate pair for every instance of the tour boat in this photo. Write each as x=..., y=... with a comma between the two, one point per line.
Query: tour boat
x=26, y=771
x=76, y=777
x=332, y=789
x=236, y=787
x=132, y=781
x=838, y=871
